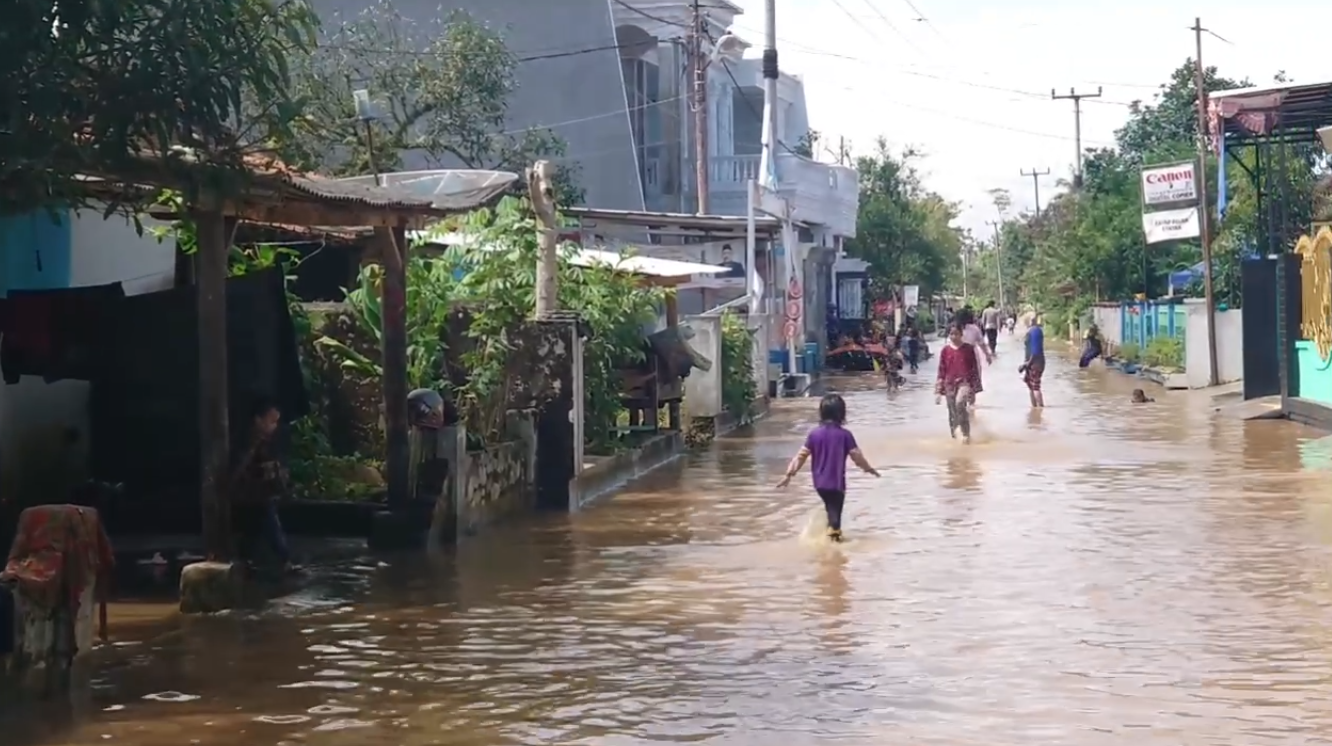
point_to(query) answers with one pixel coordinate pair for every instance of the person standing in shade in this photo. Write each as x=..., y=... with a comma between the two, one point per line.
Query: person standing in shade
x=1034, y=366
x=830, y=445
x=990, y=323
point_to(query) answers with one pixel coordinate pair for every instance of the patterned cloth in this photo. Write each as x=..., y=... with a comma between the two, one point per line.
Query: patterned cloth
x=58, y=549
x=1031, y=375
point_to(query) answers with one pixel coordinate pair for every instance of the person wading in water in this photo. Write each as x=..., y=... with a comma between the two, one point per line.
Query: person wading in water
x=958, y=372
x=830, y=445
x=1034, y=366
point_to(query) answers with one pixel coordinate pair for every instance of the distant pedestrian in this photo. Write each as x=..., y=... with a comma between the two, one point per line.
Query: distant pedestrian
x=990, y=317
x=1033, y=368
x=958, y=374
x=972, y=335
x=829, y=445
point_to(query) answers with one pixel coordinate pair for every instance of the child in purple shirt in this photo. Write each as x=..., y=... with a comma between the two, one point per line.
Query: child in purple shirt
x=829, y=445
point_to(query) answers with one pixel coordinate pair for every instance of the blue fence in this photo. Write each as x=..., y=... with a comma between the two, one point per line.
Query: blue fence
x=1142, y=321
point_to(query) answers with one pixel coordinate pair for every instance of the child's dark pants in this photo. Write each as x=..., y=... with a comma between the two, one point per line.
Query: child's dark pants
x=832, y=502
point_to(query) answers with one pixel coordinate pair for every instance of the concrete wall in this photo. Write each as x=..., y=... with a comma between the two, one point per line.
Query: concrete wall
x=580, y=97
x=36, y=457
x=703, y=388
x=1229, y=345
x=498, y=485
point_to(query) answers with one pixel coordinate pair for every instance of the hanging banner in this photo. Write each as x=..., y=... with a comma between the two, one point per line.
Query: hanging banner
x=1171, y=225
x=910, y=298
x=1163, y=185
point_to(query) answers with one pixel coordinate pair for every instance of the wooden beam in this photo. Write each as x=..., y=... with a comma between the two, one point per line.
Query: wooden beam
x=541, y=193
x=672, y=321
x=214, y=232
x=391, y=244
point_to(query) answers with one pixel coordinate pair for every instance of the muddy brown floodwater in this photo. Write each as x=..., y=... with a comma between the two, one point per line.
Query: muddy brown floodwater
x=1091, y=574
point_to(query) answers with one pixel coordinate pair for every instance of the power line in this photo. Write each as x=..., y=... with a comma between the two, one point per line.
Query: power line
x=650, y=16
x=923, y=18
x=1076, y=98
x=1036, y=186
x=893, y=26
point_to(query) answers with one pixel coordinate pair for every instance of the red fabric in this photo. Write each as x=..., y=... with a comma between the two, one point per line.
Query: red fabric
x=957, y=365
x=28, y=323
x=58, y=548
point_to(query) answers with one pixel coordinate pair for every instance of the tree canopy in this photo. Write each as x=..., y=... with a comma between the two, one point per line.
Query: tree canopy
x=903, y=230
x=440, y=87
x=177, y=94
x=93, y=88
x=1088, y=245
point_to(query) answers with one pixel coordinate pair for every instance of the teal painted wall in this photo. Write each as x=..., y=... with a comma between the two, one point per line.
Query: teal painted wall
x=1315, y=373
x=35, y=251
x=1157, y=321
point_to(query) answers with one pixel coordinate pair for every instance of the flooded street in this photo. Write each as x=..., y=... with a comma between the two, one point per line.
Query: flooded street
x=1090, y=574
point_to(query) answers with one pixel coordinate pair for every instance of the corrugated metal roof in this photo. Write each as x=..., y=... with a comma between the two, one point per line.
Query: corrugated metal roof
x=631, y=263
x=681, y=220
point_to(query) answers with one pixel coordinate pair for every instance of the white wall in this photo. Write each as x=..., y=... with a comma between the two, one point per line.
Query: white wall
x=111, y=250
x=35, y=457
x=703, y=388
x=1229, y=345
x=1108, y=320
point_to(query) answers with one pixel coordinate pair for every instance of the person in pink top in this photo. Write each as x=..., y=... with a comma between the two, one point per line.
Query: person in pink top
x=958, y=373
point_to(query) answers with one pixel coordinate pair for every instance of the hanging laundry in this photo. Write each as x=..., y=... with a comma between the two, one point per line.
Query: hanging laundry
x=55, y=334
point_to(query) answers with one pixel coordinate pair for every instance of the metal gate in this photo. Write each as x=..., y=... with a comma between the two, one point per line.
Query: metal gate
x=1261, y=329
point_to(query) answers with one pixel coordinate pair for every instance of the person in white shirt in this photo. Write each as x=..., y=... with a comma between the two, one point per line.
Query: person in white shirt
x=990, y=323
x=972, y=335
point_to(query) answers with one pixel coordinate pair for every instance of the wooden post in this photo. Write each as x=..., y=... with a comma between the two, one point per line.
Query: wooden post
x=673, y=321
x=214, y=428
x=393, y=318
x=541, y=192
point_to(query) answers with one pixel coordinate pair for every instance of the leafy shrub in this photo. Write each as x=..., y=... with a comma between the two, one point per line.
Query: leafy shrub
x=1164, y=352
x=1129, y=352
x=739, y=388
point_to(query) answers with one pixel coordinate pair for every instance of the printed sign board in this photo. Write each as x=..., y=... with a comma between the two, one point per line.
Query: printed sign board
x=1163, y=185
x=1171, y=225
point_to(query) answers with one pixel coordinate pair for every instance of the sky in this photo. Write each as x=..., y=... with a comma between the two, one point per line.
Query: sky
x=970, y=86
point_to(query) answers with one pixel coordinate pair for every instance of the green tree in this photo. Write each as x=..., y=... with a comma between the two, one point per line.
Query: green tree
x=440, y=87
x=1088, y=245
x=903, y=230
x=149, y=89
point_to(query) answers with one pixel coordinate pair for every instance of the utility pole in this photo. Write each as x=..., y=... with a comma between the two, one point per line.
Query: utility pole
x=1036, y=186
x=699, y=104
x=1204, y=222
x=998, y=259
x=1076, y=98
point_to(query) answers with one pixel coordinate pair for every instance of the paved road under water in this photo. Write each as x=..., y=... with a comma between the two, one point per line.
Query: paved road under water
x=1085, y=575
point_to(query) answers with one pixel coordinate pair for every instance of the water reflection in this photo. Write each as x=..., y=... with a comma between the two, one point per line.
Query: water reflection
x=1090, y=573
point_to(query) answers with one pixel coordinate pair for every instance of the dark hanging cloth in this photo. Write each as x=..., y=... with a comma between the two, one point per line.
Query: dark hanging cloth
x=55, y=334
x=149, y=383
x=7, y=631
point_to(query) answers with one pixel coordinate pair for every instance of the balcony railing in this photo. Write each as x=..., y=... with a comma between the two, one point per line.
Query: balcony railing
x=821, y=193
x=732, y=171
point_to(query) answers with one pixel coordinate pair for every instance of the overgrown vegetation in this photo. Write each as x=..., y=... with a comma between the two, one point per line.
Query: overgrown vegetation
x=1164, y=352
x=739, y=390
x=491, y=284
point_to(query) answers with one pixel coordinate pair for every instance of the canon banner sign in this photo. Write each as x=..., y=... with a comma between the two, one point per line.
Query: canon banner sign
x=1163, y=185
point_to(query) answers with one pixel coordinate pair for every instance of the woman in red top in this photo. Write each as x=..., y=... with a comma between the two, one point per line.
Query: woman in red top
x=958, y=377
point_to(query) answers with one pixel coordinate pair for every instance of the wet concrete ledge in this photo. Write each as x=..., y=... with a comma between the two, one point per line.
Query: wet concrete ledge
x=1307, y=412
x=604, y=477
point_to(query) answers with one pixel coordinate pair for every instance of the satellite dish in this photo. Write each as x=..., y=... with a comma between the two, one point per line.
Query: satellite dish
x=448, y=189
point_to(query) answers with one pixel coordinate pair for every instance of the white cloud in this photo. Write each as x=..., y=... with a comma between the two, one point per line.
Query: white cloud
x=954, y=87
